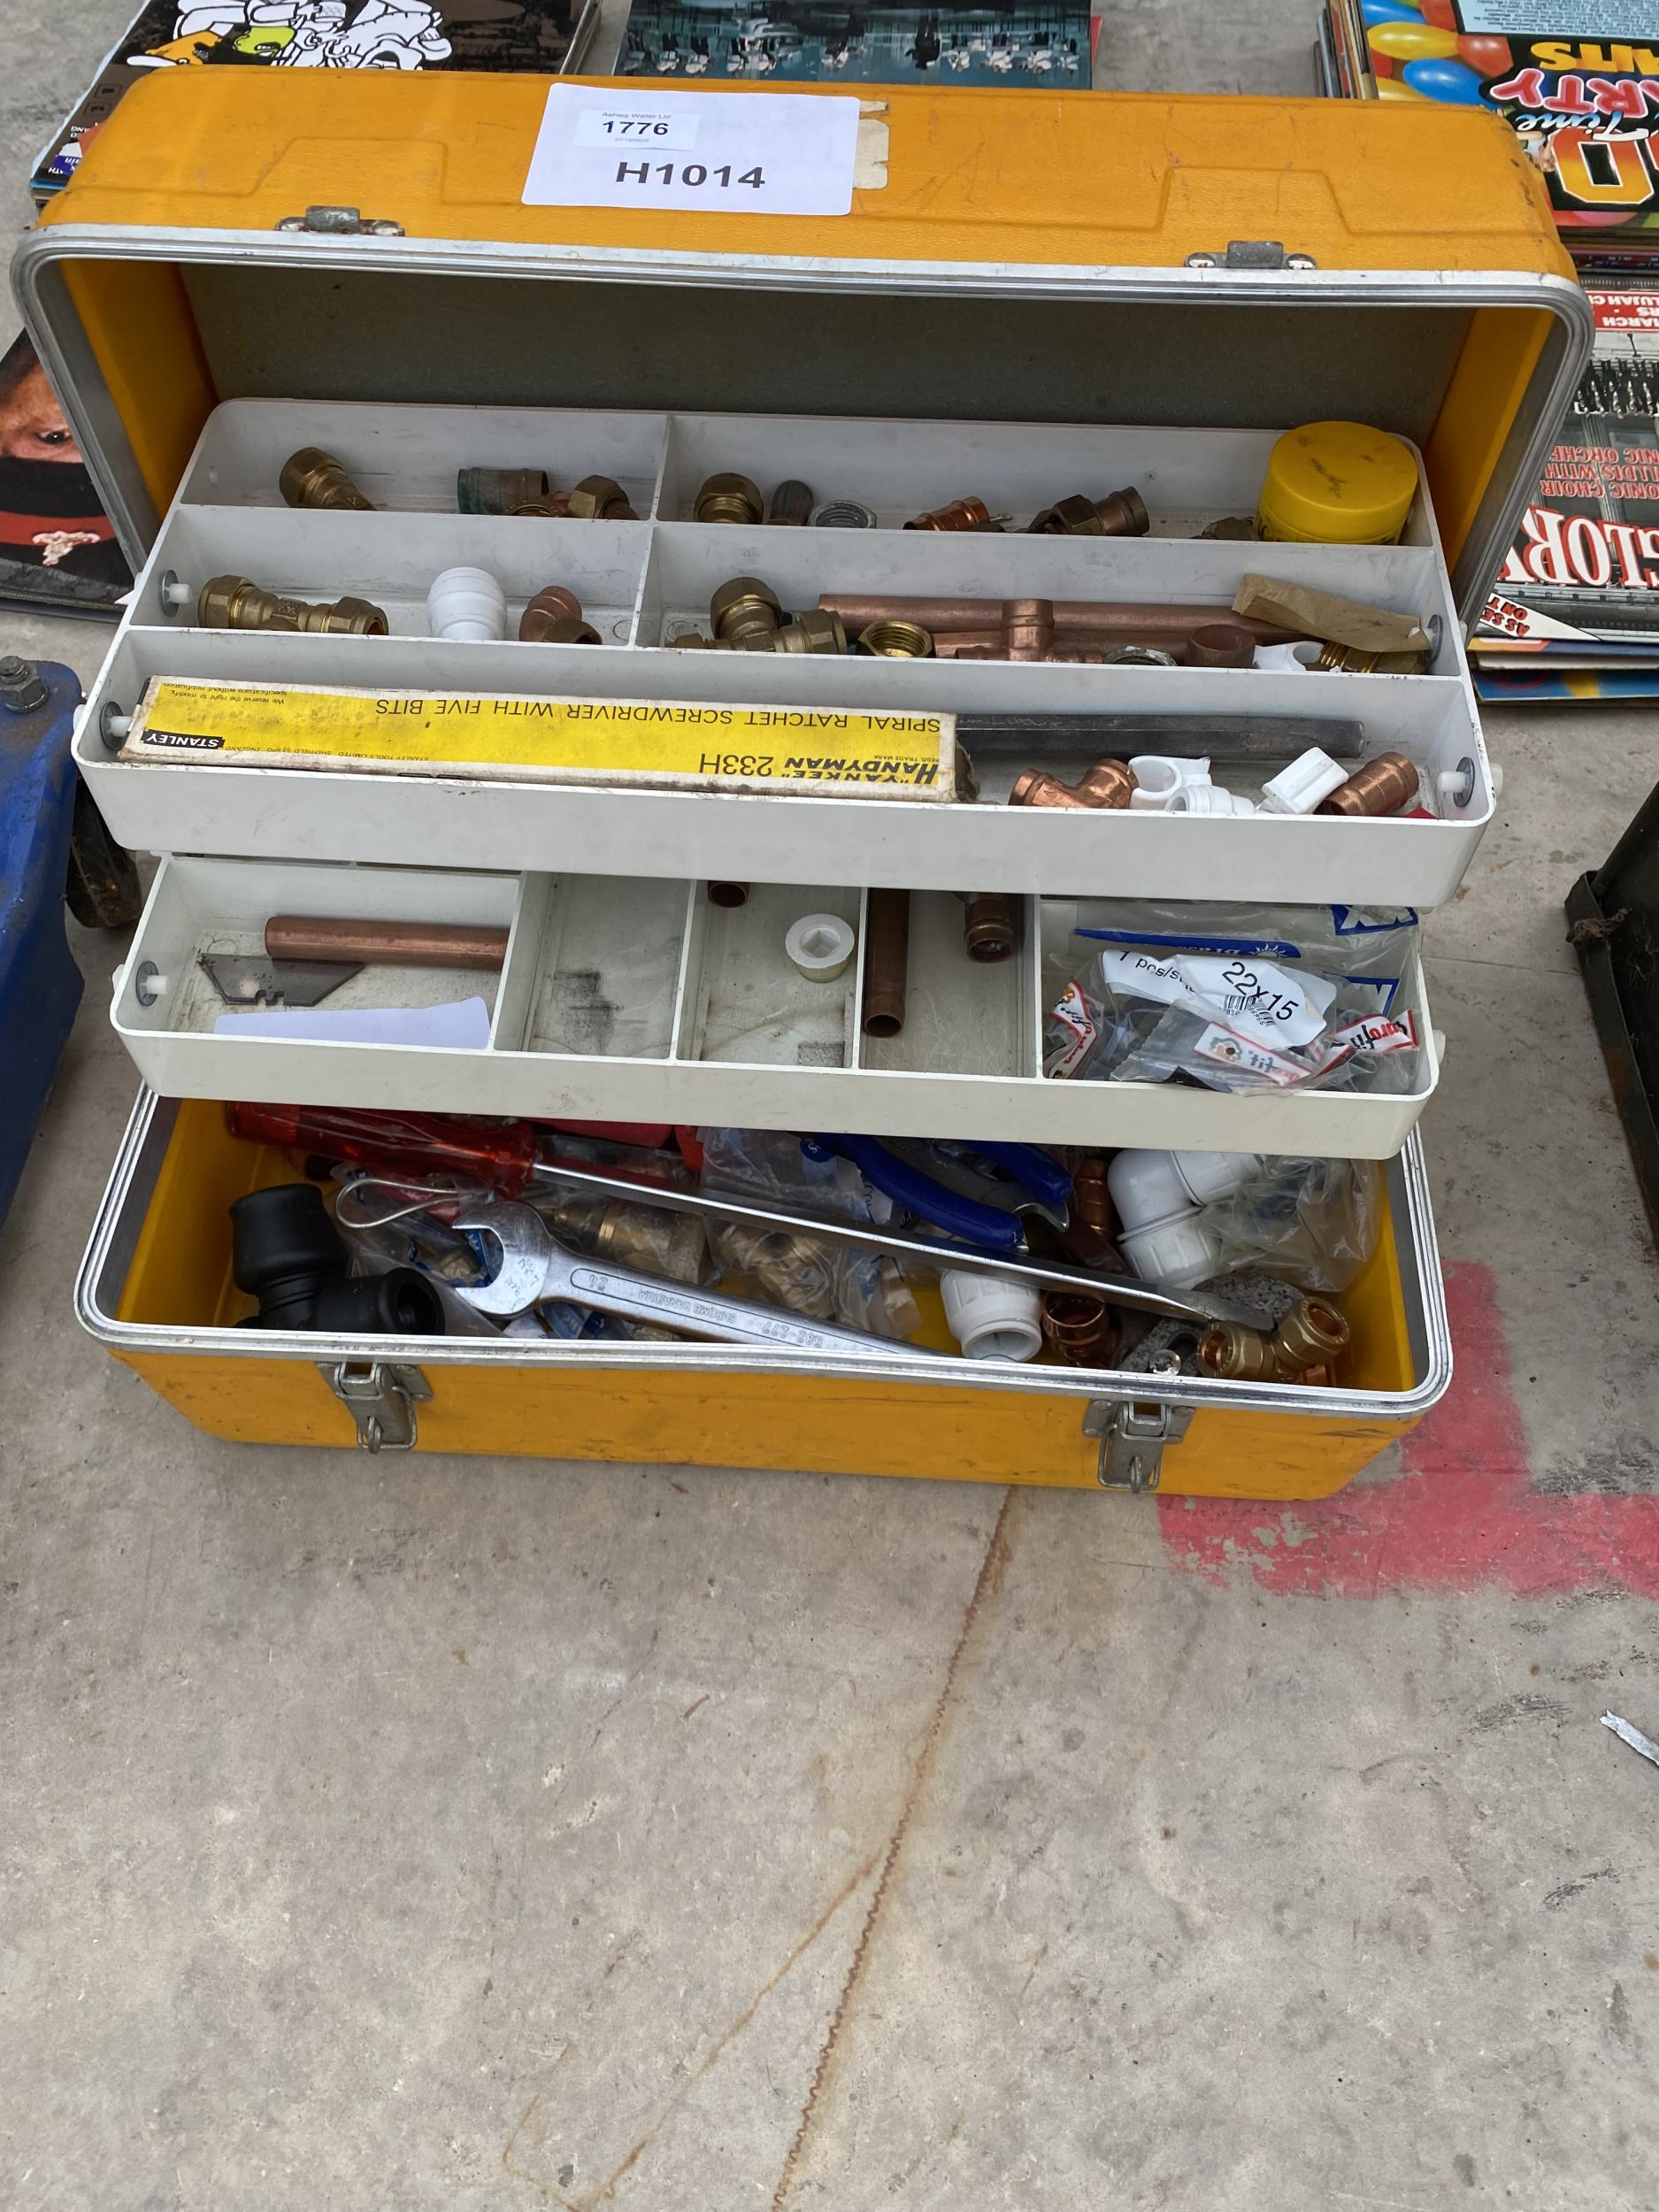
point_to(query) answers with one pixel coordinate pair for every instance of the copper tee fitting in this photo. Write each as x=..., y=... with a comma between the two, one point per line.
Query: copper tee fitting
x=1383, y=785
x=1107, y=784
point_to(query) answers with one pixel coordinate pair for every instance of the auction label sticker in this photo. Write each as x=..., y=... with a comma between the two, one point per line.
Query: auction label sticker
x=766, y=153
x=569, y=740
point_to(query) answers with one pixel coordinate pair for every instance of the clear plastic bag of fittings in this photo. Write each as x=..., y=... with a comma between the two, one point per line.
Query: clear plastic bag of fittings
x=810, y=1275
x=1261, y=999
x=1313, y=1223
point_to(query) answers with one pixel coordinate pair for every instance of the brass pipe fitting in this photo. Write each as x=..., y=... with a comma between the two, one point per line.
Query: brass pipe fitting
x=893, y=641
x=813, y=631
x=572, y=630
x=498, y=491
x=555, y=507
x=1080, y=1327
x=1220, y=645
x=791, y=504
x=599, y=499
x=886, y=961
x=1383, y=785
x=233, y=603
x=1308, y=1337
x=744, y=607
x=958, y=514
x=727, y=498
x=1119, y=515
x=552, y=604
x=988, y=928
x=1107, y=784
x=1348, y=660
x=691, y=642
x=1138, y=656
x=1311, y=1334
x=311, y=478
x=1077, y=620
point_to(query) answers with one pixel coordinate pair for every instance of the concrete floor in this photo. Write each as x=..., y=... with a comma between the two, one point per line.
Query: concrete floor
x=402, y=1837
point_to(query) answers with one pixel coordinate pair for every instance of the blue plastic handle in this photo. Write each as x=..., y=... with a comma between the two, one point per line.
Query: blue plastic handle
x=964, y=1219
x=1040, y=1172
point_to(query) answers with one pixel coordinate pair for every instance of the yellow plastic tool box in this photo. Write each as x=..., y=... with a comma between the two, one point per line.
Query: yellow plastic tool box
x=1025, y=290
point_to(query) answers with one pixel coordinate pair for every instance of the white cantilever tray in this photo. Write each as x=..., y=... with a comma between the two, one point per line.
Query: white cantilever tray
x=642, y=582
x=639, y=999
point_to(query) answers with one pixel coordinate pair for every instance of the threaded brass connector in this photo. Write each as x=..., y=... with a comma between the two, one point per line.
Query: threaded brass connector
x=896, y=640
x=744, y=607
x=233, y=602
x=599, y=499
x=311, y=478
x=1119, y=515
x=727, y=498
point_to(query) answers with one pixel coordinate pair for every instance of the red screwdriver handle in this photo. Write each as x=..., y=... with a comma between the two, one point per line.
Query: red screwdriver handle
x=502, y=1156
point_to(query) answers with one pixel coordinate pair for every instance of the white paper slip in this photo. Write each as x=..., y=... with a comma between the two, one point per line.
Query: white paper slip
x=767, y=153
x=461, y=1025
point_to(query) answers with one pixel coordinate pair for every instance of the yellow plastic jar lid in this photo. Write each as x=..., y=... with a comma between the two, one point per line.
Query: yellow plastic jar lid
x=1338, y=483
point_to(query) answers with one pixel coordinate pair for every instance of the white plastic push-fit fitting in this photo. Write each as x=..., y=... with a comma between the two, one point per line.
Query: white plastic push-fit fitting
x=1299, y=788
x=467, y=604
x=820, y=947
x=991, y=1317
x=1210, y=798
x=1178, y=1253
x=1159, y=1197
x=1284, y=660
x=1160, y=780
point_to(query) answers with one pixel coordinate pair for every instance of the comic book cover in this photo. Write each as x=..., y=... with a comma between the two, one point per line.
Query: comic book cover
x=58, y=550
x=531, y=35
x=1578, y=80
x=1581, y=583
x=796, y=40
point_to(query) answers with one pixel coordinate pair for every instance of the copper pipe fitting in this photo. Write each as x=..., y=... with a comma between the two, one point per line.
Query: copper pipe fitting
x=791, y=504
x=1080, y=1327
x=727, y=498
x=892, y=640
x=555, y=507
x=1119, y=515
x=1090, y=1233
x=1028, y=628
x=311, y=478
x=813, y=631
x=233, y=603
x=743, y=608
x=988, y=928
x=498, y=491
x=385, y=944
x=599, y=499
x=886, y=961
x=1088, y=619
x=959, y=514
x=572, y=630
x=728, y=895
x=1383, y=785
x=552, y=604
x=1107, y=784
x=1220, y=645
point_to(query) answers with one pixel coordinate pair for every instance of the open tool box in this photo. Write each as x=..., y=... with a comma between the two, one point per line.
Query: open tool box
x=1031, y=293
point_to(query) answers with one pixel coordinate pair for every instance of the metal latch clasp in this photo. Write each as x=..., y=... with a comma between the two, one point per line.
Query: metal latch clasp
x=1252, y=253
x=1132, y=1440
x=380, y=1397
x=340, y=222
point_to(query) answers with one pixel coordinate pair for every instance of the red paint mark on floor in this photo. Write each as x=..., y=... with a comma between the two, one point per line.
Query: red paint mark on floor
x=1461, y=1513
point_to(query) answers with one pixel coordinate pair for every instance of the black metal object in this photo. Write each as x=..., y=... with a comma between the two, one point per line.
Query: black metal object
x=1613, y=925
x=101, y=887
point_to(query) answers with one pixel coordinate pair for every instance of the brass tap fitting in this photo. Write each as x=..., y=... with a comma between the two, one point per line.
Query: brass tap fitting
x=896, y=640
x=743, y=608
x=1308, y=1337
x=1080, y=1327
x=1107, y=784
x=792, y=504
x=987, y=924
x=1383, y=785
x=812, y=631
x=727, y=498
x=311, y=478
x=599, y=499
x=498, y=491
x=552, y=604
x=232, y=603
x=959, y=514
x=1221, y=645
x=1119, y=515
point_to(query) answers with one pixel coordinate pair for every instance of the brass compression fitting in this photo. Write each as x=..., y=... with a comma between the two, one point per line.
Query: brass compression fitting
x=727, y=498
x=1309, y=1335
x=1119, y=515
x=742, y=609
x=232, y=603
x=599, y=499
x=311, y=478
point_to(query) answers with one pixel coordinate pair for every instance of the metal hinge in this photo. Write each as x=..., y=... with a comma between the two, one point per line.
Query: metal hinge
x=1132, y=1440
x=340, y=222
x=1252, y=253
x=380, y=1397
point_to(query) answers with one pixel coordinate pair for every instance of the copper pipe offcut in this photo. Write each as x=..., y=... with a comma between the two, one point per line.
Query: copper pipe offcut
x=988, y=926
x=886, y=961
x=1080, y=1327
x=1107, y=784
x=1121, y=620
x=1383, y=785
x=385, y=944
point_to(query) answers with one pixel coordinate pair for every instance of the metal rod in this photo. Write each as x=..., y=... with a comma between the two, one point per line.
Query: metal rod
x=388, y=944
x=1117, y=1290
x=1177, y=736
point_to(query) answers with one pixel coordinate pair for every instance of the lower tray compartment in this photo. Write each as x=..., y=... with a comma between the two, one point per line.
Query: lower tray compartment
x=642, y=999
x=155, y=1288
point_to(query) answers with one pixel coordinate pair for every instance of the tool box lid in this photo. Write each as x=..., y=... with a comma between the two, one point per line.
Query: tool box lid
x=1009, y=255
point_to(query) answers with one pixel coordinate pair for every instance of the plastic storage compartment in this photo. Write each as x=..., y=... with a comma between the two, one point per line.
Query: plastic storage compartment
x=638, y=999
x=154, y=1287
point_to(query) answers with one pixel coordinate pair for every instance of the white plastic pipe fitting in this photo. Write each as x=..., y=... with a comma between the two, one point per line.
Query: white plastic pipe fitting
x=1160, y=1197
x=820, y=947
x=991, y=1317
x=1299, y=788
x=1210, y=798
x=467, y=604
x=1160, y=780
x=1285, y=660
